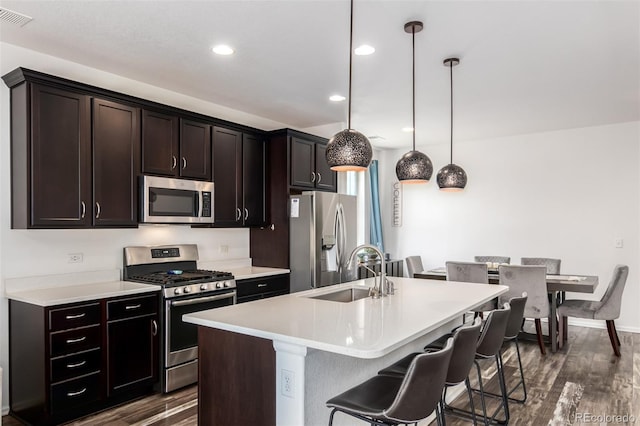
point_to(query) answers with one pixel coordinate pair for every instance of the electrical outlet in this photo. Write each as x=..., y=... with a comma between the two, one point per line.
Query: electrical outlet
x=288, y=382
x=224, y=249
x=619, y=242
x=74, y=258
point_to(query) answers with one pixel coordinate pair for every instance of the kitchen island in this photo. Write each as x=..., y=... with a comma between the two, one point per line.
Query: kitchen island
x=278, y=360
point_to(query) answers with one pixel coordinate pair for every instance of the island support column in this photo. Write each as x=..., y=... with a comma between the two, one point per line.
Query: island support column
x=290, y=383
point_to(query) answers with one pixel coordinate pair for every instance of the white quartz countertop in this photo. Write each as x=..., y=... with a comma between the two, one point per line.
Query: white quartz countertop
x=246, y=272
x=60, y=295
x=365, y=328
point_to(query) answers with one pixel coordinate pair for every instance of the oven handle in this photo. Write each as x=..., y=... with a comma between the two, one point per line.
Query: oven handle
x=202, y=299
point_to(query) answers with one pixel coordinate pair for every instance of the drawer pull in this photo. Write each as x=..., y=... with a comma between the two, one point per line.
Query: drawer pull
x=80, y=392
x=69, y=317
x=129, y=307
x=262, y=285
x=79, y=339
x=77, y=364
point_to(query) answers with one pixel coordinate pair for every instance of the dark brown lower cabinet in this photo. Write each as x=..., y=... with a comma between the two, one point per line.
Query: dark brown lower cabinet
x=262, y=288
x=67, y=361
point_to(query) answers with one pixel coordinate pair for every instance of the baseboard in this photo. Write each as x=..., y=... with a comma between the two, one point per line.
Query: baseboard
x=580, y=322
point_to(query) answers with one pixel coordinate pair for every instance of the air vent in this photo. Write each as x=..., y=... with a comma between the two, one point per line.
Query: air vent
x=14, y=17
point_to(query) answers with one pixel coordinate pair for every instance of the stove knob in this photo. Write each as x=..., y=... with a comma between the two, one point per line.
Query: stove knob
x=218, y=285
x=226, y=284
x=187, y=289
x=177, y=291
x=203, y=287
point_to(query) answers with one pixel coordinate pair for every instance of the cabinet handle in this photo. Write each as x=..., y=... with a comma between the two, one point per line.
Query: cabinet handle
x=246, y=214
x=80, y=392
x=97, y=210
x=69, y=317
x=129, y=307
x=319, y=177
x=154, y=325
x=80, y=339
x=84, y=209
x=175, y=162
x=76, y=365
x=262, y=285
x=184, y=163
x=238, y=214
x=313, y=177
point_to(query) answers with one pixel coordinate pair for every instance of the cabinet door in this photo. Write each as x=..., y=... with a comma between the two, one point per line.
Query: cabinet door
x=195, y=150
x=159, y=144
x=253, y=180
x=132, y=350
x=116, y=163
x=326, y=179
x=302, y=163
x=60, y=158
x=227, y=177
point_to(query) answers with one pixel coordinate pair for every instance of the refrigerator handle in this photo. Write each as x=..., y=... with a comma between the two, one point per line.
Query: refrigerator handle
x=312, y=240
x=337, y=231
x=342, y=237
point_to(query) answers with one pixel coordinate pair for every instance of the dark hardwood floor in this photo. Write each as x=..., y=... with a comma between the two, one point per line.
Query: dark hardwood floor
x=584, y=379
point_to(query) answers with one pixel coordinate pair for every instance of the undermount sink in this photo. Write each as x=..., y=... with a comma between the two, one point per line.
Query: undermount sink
x=345, y=295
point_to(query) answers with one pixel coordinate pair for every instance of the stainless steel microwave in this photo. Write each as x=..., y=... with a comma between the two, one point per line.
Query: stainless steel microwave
x=168, y=200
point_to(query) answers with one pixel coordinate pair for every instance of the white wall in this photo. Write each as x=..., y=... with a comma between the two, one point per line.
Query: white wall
x=564, y=194
x=43, y=252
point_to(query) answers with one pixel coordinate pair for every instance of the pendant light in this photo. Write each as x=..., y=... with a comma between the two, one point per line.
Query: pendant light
x=414, y=166
x=451, y=178
x=349, y=150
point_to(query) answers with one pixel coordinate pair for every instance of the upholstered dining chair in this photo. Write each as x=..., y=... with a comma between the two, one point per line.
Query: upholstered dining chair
x=414, y=264
x=533, y=281
x=492, y=259
x=471, y=272
x=608, y=308
x=389, y=400
x=553, y=265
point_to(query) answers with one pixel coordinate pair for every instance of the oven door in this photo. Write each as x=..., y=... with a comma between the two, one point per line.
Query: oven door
x=181, y=338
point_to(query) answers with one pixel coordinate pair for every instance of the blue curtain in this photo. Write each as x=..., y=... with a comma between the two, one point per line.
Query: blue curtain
x=375, y=233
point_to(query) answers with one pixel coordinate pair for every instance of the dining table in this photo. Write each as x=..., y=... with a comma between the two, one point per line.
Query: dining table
x=557, y=287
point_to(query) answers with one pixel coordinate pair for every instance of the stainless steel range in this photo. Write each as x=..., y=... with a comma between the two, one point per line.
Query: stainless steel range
x=185, y=289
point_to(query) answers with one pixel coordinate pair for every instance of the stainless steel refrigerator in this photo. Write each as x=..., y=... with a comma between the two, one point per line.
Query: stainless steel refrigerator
x=322, y=235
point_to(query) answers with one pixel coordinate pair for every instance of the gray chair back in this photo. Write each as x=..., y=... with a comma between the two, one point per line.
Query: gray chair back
x=553, y=265
x=465, y=341
x=492, y=335
x=414, y=264
x=529, y=279
x=609, y=308
x=422, y=386
x=470, y=272
x=492, y=259
x=517, y=315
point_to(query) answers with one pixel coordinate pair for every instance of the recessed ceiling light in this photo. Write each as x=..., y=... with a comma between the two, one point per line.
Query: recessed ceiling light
x=365, y=49
x=337, y=98
x=222, y=49
x=407, y=129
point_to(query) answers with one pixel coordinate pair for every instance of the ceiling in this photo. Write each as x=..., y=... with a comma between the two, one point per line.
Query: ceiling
x=526, y=66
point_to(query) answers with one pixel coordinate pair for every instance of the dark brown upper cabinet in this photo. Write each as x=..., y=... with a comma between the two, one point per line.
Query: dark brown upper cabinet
x=64, y=174
x=239, y=178
x=309, y=168
x=175, y=147
x=116, y=163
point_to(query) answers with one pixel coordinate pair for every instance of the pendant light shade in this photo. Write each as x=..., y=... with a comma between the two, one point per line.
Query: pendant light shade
x=349, y=150
x=451, y=178
x=414, y=166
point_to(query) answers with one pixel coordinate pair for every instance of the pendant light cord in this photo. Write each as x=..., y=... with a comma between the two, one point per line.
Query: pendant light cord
x=451, y=97
x=413, y=88
x=350, y=63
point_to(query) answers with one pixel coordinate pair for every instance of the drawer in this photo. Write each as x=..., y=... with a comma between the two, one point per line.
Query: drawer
x=132, y=307
x=81, y=339
x=75, y=393
x=269, y=284
x=75, y=365
x=73, y=317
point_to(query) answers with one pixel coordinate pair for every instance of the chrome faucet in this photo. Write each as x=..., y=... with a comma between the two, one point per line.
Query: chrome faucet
x=381, y=286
